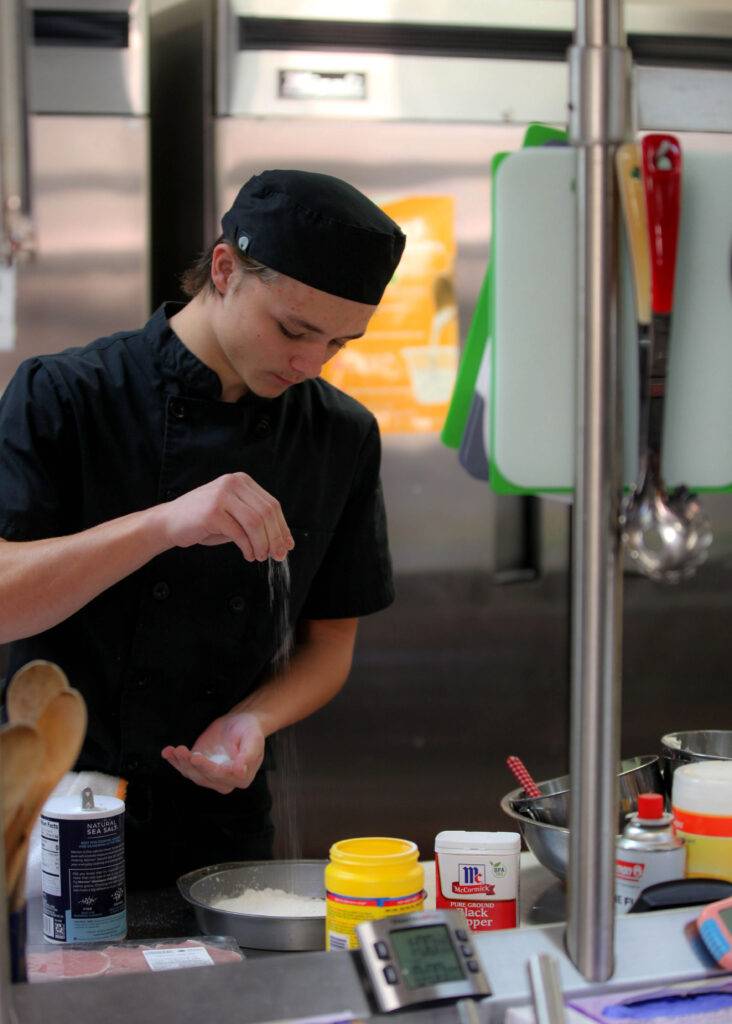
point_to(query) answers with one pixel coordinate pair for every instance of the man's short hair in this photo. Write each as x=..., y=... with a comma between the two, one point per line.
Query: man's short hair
x=197, y=277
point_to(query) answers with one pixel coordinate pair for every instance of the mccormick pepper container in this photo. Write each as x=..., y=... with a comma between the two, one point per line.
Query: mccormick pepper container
x=367, y=879
x=647, y=852
x=478, y=873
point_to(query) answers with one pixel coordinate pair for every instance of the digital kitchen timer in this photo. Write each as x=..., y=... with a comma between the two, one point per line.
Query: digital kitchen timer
x=420, y=958
x=715, y=927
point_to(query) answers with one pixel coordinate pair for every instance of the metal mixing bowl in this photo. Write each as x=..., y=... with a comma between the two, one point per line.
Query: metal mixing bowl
x=206, y=886
x=636, y=775
x=548, y=840
x=548, y=843
x=698, y=745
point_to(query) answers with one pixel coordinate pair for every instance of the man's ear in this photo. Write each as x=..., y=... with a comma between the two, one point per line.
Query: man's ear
x=223, y=267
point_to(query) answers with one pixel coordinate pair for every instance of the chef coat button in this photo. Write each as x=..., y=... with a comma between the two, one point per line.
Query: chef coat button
x=237, y=604
x=177, y=409
x=132, y=766
x=142, y=682
x=170, y=494
x=161, y=590
x=262, y=427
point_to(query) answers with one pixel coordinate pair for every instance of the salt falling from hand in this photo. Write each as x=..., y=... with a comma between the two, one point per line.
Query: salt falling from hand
x=278, y=579
x=285, y=779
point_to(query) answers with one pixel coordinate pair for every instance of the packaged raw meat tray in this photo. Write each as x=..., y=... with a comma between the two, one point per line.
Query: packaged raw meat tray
x=90, y=960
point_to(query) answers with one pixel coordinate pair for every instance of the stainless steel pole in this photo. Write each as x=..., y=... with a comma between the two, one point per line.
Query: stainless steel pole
x=16, y=227
x=598, y=82
x=15, y=238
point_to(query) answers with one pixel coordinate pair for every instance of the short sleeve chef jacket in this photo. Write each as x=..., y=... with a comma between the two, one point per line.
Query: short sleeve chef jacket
x=135, y=419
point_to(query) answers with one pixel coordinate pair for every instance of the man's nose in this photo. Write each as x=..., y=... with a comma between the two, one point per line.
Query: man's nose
x=308, y=363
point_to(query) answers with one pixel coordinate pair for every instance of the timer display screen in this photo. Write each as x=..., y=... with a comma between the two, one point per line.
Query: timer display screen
x=426, y=956
x=726, y=914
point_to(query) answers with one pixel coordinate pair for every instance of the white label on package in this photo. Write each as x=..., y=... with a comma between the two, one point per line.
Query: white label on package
x=7, y=309
x=172, y=959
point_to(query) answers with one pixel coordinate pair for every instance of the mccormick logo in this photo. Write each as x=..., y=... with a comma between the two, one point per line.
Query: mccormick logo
x=629, y=871
x=471, y=881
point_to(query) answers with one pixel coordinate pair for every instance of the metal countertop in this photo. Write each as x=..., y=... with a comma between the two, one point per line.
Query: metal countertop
x=164, y=914
x=265, y=986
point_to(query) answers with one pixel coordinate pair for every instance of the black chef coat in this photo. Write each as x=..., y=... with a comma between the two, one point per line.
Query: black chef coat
x=135, y=419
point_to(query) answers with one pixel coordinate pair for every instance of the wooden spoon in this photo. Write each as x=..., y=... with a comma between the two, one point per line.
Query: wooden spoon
x=62, y=727
x=21, y=753
x=31, y=689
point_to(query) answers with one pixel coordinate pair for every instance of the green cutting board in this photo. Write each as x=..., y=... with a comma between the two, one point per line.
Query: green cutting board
x=480, y=326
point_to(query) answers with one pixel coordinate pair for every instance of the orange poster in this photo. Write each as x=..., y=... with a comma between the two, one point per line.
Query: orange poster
x=404, y=368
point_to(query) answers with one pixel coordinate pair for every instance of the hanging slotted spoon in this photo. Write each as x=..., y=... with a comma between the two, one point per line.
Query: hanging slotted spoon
x=666, y=535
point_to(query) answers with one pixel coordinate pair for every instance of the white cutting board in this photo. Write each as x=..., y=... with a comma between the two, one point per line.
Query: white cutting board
x=534, y=348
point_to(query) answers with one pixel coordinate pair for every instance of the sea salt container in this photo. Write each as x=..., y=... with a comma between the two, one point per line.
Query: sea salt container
x=701, y=802
x=368, y=879
x=478, y=873
x=83, y=868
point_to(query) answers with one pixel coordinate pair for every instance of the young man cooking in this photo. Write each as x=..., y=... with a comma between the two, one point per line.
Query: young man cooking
x=148, y=480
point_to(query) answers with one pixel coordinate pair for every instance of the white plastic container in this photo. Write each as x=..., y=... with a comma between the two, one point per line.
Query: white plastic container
x=478, y=873
x=702, y=808
x=648, y=852
x=83, y=869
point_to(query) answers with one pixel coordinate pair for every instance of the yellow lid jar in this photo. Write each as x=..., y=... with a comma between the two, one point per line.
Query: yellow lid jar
x=367, y=879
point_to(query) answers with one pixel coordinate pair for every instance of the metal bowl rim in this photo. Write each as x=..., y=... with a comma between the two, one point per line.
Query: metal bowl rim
x=633, y=763
x=185, y=882
x=511, y=811
x=669, y=749
x=692, y=732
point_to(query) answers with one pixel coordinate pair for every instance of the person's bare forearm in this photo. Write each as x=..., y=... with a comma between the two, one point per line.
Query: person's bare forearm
x=43, y=582
x=315, y=674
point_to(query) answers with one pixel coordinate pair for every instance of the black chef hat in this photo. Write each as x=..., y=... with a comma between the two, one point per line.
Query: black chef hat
x=319, y=230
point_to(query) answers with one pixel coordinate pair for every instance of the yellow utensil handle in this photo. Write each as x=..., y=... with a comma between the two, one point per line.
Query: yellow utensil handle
x=632, y=196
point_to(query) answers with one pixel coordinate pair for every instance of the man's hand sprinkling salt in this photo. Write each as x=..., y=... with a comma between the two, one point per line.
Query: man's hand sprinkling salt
x=226, y=756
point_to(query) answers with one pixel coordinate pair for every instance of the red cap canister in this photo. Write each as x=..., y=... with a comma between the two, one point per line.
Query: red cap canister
x=650, y=806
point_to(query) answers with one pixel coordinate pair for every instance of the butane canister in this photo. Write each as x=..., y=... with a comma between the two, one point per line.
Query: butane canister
x=478, y=873
x=83, y=868
x=368, y=879
x=702, y=806
x=647, y=852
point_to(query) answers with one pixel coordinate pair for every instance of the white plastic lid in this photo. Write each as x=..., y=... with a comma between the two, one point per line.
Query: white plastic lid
x=68, y=808
x=704, y=787
x=480, y=842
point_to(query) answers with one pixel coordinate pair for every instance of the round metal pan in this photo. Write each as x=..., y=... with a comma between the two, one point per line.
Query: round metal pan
x=206, y=886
